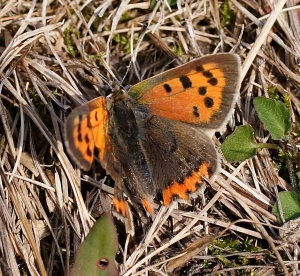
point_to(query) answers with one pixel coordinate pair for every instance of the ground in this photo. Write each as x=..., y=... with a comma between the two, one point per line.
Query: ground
x=57, y=55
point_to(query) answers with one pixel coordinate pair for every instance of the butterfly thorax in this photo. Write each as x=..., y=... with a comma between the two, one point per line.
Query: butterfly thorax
x=118, y=94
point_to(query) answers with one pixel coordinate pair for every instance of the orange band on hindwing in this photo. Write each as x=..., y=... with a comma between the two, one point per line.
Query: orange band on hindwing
x=147, y=206
x=120, y=206
x=189, y=185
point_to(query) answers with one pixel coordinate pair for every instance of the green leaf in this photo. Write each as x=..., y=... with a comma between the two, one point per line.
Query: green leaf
x=275, y=116
x=240, y=145
x=96, y=255
x=290, y=206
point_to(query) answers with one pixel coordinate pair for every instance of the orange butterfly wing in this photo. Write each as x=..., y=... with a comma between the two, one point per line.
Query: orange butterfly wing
x=86, y=129
x=201, y=92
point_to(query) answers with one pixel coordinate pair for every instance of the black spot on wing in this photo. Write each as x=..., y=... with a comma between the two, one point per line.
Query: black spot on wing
x=208, y=74
x=79, y=137
x=89, y=152
x=168, y=88
x=199, y=68
x=186, y=82
x=202, y=90
x=89, y=121
x=209, y=102
x=213, y=81
x=86, y=138
x=195, y=111
x=79, y=131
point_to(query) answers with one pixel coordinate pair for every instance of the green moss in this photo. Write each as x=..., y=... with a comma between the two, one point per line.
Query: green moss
x=124, y=41
x=275, y=94
x=228, y=246
x=227, y=13
x=178, y=50
x=69, y=42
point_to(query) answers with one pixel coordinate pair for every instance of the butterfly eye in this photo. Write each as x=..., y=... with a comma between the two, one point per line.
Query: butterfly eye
x=103, y=263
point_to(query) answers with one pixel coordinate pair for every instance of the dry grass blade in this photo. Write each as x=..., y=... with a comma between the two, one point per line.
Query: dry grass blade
x=262, y=37
x=27, y=228
x=57, y=55
x=194, y=249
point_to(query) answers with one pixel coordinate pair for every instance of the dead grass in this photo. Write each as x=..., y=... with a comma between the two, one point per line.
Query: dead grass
x=47, y=205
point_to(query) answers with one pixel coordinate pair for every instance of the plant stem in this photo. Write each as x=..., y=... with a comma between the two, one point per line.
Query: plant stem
x=267, y=146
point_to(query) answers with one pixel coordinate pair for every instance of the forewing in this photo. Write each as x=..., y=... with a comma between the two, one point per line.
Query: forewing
x=85, y=130
x=200, y=92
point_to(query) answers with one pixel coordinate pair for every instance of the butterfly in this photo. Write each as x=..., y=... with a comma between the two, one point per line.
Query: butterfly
x=154, y=140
